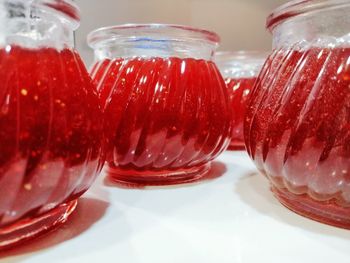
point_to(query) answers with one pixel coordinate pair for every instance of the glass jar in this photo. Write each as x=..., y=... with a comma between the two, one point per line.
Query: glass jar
x=50, y=130
x=165, y=102
x=240, y=70
x=297, y=125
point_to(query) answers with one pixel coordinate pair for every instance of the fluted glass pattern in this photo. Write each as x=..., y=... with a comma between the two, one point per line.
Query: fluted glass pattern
x=162, y=113
x=297, y=124
x=50, y=131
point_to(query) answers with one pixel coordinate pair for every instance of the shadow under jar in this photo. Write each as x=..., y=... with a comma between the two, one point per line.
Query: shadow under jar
x=165, y=103
x=240, y=70
x=297, y=128
x=50, y=130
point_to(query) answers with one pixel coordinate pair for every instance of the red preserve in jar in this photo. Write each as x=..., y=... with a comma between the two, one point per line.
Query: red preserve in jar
x=297, y=128
x=165, y=103
x=240, y=70
x=50, y=119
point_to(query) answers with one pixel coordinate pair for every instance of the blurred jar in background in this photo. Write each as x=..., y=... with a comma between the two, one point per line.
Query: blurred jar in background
x=165, y=103
x=240, y=70
x=50, y=118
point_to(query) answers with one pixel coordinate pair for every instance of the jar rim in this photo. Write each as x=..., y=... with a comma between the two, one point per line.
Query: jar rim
x=299, y=7
x=172, y=32
x=67, y=8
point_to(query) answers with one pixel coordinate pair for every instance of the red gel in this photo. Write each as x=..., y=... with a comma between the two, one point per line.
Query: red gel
x=239, y=90
x=297, y=130
x=50, y=138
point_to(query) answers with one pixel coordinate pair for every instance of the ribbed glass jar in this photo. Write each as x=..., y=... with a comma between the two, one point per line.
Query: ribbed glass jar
x=165, y=103
x=297, y=124
x=240, y=70
x=50, y=129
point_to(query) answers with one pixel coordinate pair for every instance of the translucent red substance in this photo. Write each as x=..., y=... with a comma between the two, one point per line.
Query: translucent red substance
x=50, y=134
x=297, y=130
x=164, y=117
x=239, y=90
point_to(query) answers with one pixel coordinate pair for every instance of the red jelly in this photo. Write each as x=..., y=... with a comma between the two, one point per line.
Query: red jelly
x=166, y=117
x=50, y=135
x=297, y=125
x=240, y=70
x=239, y=93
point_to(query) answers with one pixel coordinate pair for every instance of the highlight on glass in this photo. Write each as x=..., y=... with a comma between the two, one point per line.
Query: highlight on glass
x=166, y=105
x=50, y=129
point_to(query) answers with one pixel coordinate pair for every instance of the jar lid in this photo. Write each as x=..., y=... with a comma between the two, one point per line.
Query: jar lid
x=299, y=7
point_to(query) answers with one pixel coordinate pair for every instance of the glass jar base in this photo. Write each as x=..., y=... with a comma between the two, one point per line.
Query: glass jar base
x=326, y=212
x=156, y=178
x=26, y=229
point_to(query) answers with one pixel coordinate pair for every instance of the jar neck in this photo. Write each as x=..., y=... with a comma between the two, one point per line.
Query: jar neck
x=241, y=70
x=153, y=40
x=242, y=64
x=30, y=26
x=322, y=27
x=147, y=47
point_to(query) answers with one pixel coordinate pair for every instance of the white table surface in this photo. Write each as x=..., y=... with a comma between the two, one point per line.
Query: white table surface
x=231, y=218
